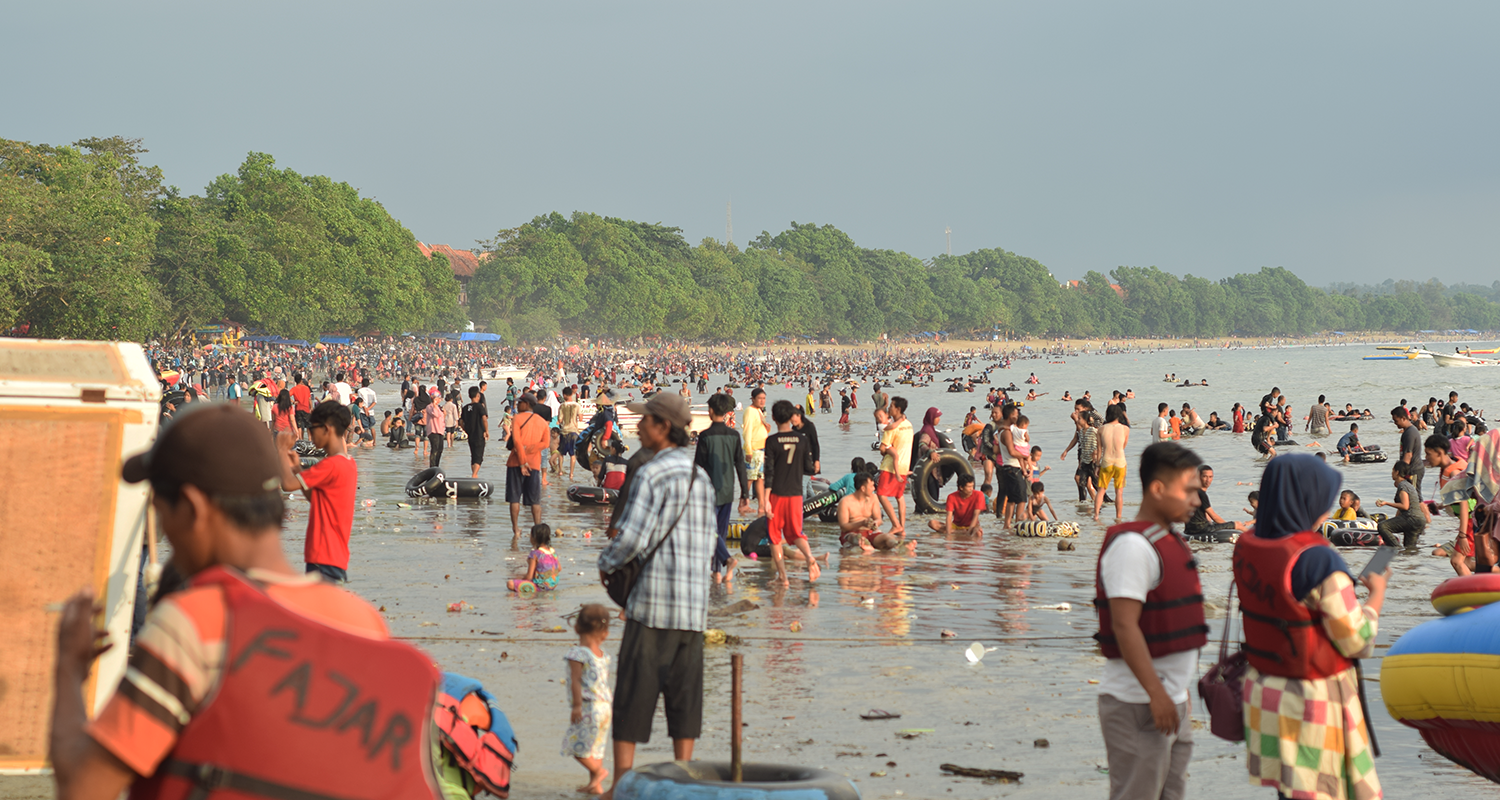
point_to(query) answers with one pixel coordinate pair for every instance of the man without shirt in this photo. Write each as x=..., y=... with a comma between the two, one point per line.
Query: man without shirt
x=1114, y=435
x=859, y=518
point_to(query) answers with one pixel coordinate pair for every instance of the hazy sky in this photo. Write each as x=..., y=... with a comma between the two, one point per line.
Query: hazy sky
x=1345, y=141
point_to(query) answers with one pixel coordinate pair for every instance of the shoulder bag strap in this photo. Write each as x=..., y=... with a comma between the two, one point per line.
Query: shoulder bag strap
x=688, y=499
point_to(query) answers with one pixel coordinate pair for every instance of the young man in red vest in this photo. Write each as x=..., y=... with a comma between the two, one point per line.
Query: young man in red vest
x=1151, y=626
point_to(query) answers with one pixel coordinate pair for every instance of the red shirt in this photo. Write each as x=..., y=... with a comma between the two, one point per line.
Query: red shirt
x=301, y=397
x=965, y=509
x=331, y=485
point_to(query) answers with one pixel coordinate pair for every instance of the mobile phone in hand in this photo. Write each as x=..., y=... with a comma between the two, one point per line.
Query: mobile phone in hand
x=1379, y=562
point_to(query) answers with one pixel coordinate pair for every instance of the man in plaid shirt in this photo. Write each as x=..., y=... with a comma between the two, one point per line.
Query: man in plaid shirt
x=661, y=651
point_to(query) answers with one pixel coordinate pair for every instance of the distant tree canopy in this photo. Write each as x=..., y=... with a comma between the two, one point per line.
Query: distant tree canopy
x=93, y=245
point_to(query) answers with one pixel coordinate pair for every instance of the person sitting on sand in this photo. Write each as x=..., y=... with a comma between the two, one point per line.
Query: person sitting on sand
x=1041, y=507
x=962, y=509
x=859, y=517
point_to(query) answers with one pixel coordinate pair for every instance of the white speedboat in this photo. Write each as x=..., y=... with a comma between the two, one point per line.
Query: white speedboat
x=500, y=373
x=1457, y=360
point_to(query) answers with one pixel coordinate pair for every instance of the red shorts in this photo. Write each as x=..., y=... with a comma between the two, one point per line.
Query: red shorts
x=786, y=519
x=888, y=485
x=851, y=538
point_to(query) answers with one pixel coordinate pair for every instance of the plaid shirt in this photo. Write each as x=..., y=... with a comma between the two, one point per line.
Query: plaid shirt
x=672, y=593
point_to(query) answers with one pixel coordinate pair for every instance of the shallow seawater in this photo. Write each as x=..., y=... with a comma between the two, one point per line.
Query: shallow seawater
x=871, y=627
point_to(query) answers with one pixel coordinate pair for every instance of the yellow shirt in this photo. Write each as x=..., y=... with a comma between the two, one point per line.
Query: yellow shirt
x=1345, y=515
x=897, y=459
x=755, y=430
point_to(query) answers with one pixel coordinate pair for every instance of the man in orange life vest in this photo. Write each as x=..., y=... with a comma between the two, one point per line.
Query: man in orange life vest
x=1151, y=626
x=301, y=675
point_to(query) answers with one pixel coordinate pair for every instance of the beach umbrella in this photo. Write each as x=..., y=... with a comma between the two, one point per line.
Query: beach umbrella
x=170, y=377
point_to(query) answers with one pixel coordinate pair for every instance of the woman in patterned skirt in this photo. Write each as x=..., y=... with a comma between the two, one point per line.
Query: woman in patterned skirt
x=1305, y=728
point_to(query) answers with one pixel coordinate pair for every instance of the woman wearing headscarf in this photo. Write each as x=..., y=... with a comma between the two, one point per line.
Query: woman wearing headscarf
x=927, y=438
x=1305, y=729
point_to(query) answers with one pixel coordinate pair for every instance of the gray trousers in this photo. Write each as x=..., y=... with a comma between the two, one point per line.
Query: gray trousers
x=1144, y=764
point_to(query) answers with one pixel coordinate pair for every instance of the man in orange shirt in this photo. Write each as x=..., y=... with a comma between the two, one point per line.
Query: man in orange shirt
x=529, y=436
x=227, y=672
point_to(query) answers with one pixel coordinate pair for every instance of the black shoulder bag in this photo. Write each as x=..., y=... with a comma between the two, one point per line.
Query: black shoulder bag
x=620, y=583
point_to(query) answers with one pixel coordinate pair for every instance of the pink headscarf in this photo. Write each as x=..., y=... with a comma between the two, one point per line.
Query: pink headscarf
x=929, y=423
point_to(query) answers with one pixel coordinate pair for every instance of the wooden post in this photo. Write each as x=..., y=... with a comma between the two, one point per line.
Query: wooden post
x=736, y=699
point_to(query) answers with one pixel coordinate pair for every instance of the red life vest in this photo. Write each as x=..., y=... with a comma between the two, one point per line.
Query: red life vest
x=1282, y=636
x=479, y=751
x=303, y=711
x=1172, y=616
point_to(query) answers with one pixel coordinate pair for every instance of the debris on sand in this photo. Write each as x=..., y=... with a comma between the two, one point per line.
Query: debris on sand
x=733, y=608
x=1001, y=775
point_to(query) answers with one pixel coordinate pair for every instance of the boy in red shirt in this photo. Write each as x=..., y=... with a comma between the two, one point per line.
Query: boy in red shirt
x=329, y=487
x=963, y=507
x=301, y=401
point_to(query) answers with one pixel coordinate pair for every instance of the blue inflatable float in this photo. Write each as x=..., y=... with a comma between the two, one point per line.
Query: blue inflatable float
x=1443, y=676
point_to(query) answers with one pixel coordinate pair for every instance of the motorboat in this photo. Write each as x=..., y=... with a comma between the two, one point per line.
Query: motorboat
x=1459, y=360
x=501, y=372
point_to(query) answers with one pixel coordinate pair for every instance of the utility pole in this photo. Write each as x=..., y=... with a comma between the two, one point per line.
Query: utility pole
x=947, y=231
x=729, y=223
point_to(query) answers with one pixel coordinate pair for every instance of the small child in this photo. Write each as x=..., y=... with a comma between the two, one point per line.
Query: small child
x=1040, y=505
x=542, y=566
x=1349, y=509
x=1036, y=458
x=1254, y=500
x=590, y=694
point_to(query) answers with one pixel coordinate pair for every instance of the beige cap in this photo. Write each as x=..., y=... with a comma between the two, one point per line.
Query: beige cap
x=667, y=406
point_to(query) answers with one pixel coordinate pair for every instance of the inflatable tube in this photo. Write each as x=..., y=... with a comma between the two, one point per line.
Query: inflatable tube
x=756, y=538
x=709, y=780
x=431, y=482
x=1362, y=523
x=1466, y=593
x=1439, y=679
x=1031, y=529
x=1066, y=530
x=935, y=473
x=1224, y=536
x=1367, y=457
x=592, y=495
x=1353, y=537
x=820, y=503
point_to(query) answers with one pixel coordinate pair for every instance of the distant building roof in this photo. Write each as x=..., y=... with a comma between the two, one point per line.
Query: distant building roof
x=463, y=262
x=1119, y=290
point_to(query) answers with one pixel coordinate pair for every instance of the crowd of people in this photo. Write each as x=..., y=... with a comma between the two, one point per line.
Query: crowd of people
x=218, y=480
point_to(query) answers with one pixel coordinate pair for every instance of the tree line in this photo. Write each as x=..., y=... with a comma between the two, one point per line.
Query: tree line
x=94, y=245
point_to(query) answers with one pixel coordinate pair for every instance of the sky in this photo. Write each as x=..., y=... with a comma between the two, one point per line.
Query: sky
x=1344, y=141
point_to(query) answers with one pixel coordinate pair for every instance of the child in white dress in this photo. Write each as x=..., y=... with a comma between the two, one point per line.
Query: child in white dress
x=590, y=694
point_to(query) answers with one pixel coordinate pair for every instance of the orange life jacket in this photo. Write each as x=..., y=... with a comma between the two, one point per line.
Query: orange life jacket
x=475, y=747
x=303, y=711
x=1282, y=637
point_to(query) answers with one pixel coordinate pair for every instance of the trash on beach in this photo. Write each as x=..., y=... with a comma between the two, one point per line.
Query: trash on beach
x=795, y=627
x=403, y=505
x=1041, y=743
x=1064, y=545
x=867, y=601
x=454, y=608
x=879, y=714
x=1001, y=775
x=738, y=607
x=912, y=733
x=716, y=636
x=947, y=634
x=975, y=652
x=1055, y=607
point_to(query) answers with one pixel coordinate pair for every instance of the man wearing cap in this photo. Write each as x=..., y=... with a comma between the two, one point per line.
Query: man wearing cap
x=523, y=469
x=661, y=651
x=215, y=479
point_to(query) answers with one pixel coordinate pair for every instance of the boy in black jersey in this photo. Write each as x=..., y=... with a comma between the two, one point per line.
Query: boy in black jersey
x=787, y=458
